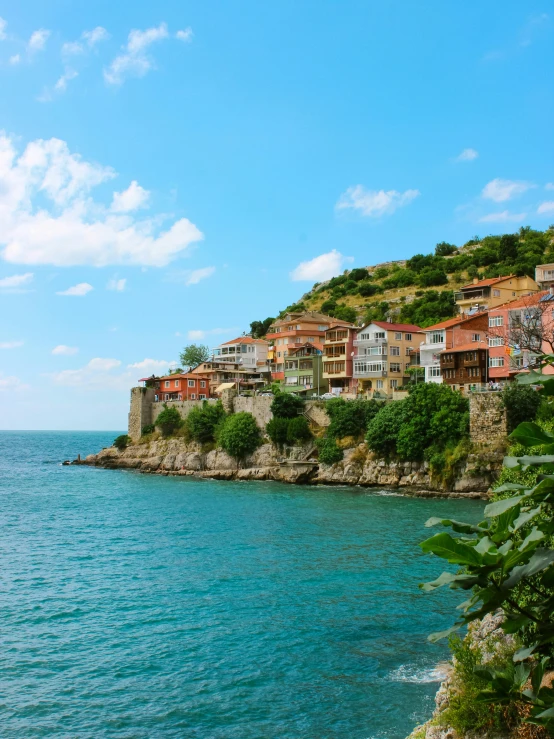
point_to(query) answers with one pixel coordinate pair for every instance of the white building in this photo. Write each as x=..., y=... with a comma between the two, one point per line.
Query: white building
x=248, y=352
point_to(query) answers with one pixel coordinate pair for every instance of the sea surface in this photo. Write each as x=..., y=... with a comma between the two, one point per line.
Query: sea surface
x=143, y=606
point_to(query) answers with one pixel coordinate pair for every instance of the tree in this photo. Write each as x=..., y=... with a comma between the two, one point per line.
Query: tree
x=121, y=442
x=350, y=418
x=203, y=421
x=169, y=420
x=345, y=313
x=358, y=273
x=277, y=430
x=430, y=276
x=329, y=452
x=194, y=354
x=384, y=427
x=239, y=435
x=258, y=329
x=444, y=249
x=298, y=430
x=429, y=308
x=286, y=405
x=522, y=403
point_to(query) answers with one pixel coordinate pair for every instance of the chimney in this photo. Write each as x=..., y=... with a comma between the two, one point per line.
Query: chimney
x=475, y=280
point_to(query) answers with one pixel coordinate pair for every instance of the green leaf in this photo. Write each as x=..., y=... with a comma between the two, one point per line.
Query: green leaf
x=523, y=654
x=455, y=552
x=500, y=506
x=530, y=378
x=525, y=517
x=510, y=462
x=540, y=560
x=459, y=526
x=438, y=635
x=511, y=486
x=535, y=459
x=534, y=536
x=455, y=581
x=549, y=713
x=530, y=434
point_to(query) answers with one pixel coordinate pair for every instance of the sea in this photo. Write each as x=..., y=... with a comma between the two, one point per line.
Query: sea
x=139, y=606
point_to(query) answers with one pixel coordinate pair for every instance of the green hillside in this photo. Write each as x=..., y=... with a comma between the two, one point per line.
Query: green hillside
x=421, y=289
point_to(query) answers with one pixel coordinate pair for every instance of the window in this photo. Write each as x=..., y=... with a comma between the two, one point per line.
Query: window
x=379, y=335
x=191, y=383
x=202, y=383
x=298, y=327
x=180, y=396
x=310, y=339
x=395, y=367
x=167, y=383
x=361, y=367
x=437, y=337
x=408, y=337
x=496, y=341
x=395, y=351
x=435, y=371
x=193, y=396
x=176, y=383
x=408, y=351
x=476, y=337
x=379, y=384
x=393, y=384
x=166, y=396
x=496, y=293
x=285, y=341
x=202, y=397
x=322, y=328
x=398, y=335
x=496, y=361
x=496, y=321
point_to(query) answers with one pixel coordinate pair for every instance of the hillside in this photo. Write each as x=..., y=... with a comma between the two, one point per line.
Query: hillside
x=421, y=289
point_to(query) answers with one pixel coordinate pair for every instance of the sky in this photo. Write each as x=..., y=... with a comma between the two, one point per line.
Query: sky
x=172, y=171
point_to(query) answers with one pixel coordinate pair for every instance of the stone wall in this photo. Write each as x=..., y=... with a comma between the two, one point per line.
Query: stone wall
x=487, y=418
x=140, y=410
x=259, y=407
x=317, y=413
x=183, y=406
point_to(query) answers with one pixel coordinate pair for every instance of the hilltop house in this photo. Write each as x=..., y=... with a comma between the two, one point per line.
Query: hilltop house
x=304, y=370
x=339, y=351
x=245, y=351
x=483, y=294
x=383, y=354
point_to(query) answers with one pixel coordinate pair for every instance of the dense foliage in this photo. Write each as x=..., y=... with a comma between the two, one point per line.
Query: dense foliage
x=169, y=420
x=121, y=442
x=286, y=405
x=428, y=308
x=203, y=421
x=239, y=435
x=350, y=418
x=148, y=429
x=194, y=354
x=329, y=451
x=258, y=329
x=277, y=430
x=522, y=403
x=431, y=417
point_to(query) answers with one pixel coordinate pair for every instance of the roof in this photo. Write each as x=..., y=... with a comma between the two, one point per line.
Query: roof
x=245, y=340
x=487, y=282
x=409, y=327
x=310, y=315
x=336, y=325
x=523, y=302
x=179, y=376
x=466, y=347
x=225, y=386
x=454, y=321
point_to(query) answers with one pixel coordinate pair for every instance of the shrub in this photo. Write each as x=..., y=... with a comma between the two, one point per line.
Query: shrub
x=202, y=421
x=430, y=276
x=357, y=274
x=429, y=307
x=367, y=289
x=277, y=430
x=298, y=430
x=345, y=313
x=169, y=420
x=522, y=404
x=122, y=442
x=444, y=249
x=328, y=307
x=148, y=429
x=329, y=452
x=384, y=428
x=239, y=435
x=286, y=405
x=380, y=273
x=350, y=418
x=400, y=278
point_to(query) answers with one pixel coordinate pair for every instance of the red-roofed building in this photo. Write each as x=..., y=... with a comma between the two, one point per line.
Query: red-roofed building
x=338, y=353
x=244, y=351
x=181, y=386
x=465, y=365
x=481, y=295
x=383, y=354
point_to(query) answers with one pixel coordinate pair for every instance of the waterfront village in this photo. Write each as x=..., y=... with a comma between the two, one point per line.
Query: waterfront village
x=315, y=355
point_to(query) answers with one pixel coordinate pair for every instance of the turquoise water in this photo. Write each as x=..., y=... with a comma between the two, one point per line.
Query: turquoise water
x=143, y=606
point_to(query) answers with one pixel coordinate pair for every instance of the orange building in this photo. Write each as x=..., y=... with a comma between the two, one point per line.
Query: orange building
x=181, y=386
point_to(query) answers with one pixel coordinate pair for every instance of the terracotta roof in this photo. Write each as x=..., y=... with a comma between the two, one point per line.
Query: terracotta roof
x=180, y=376
x=454, y=321
x=244, y=340
x=409, y=327
x=310, y=315
x=466, y=347
x=487, y=282
x=522, y=302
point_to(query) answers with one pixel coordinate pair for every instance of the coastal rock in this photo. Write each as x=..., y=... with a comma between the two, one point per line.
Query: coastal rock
x=219, y=460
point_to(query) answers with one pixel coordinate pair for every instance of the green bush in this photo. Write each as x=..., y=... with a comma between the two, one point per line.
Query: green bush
x=358, y=274
x=298, y=430
x=345, y=313
x=367, y=289
x=148, y=429
x=383, y=429
x=329, y=452
x=286, y=405
x=122, y=442
x=380, y=273
x=429, y=307
x=328, y=307
x=522, y=403
x=431, y=276
x=400, y=278
x=239, y=435
x=350, y=418
x=169, y=420
x=202, y=421
x=277, y=430
x=444, y=249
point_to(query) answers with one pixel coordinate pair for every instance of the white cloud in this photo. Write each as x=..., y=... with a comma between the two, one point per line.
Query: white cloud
x=10, y=344
x=549, y=186
x=134, y=61
x=374, y=203
x=196, y=275
x=64, y=351
x=103, y=364
x=15, y=59
x=501, y=190
x=504, y=217
x=16, y=281
x=95, y=36
x=533, y=27
x=100, y=374
x=199, y=334
x=150, y=366
x=320, y=268
x=73, y=229
x=184, y=35
x=61, y=84
x=546, y=208
x=11, y=383
x=72, y=48
x=117, y=285
x=77, y=290
x=467, y=155
x=38, y=40
x=3, y=25
x=133, y=198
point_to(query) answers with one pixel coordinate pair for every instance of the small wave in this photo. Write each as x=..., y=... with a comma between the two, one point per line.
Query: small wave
x=413, y=674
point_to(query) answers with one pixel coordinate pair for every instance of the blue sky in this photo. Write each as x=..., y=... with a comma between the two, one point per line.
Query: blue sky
x=175, y=170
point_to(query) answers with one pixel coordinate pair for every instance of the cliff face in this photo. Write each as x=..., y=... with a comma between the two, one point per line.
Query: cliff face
x=472, y=478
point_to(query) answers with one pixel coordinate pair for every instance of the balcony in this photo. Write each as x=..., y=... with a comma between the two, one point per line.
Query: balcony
x=370, y=342
x=472, y=295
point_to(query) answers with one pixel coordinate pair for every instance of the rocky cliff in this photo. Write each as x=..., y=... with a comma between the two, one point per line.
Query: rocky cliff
x=472, y=478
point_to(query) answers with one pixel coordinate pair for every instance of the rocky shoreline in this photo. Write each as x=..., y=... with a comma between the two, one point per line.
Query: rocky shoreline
x=473, y=478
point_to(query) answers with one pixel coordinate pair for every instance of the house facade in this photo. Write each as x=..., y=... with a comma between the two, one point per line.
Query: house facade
x=338, y=364
x=291, y=332
x=243, y=378
x=181, y=386
x=382, y=356
x=481, y=295
x=304, y=370
x=465, y=366
x=245, y=351
x=448, y=335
